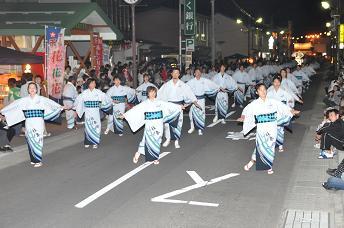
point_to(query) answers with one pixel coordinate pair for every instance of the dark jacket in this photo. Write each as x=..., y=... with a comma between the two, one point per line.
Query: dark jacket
x=335, y=128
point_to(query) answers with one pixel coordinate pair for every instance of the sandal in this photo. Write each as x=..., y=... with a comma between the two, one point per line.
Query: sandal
x=270, y=171
x=136, y=157
x=281, y=150
x=156, y=162
x=38, y=165
x=248, y=166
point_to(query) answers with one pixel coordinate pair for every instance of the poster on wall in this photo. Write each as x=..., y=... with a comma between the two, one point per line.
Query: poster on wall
x=54, y=60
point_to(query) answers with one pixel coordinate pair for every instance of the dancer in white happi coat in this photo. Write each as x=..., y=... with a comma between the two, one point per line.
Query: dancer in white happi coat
x=187, y=76
x=301, y=77
x=201, y=87
x=292, y=77
x=242, y=79
x=141, y=91
x=68, y=96
x=33, y=109
x=177, y=92
x=90, y=102
x=120, y=95
x=277, y=93
x=153, y=114
x=227, y=85
x=288, y=84
x=255, y=76
x=265, y=114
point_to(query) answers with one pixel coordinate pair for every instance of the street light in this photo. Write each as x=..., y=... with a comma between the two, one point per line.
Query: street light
x=282, y=32
x=325, y=4
x=238, y=21
x=259, y=20
x=328, y=24
x=268, y=33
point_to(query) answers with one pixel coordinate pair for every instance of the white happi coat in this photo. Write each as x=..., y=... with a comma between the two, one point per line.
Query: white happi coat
x=242, y=79
x=301, y=76
x=225, y=82
x=281, y=95
x=141, y=91
x=201, y=88
x=68, y=96
x=90, y=102
x=292, y=77
x=120, y=95
x=153, y=114
x=186, y=78
x=34, y=110
x=177, y=93
x=266, y=116
x=288, y=85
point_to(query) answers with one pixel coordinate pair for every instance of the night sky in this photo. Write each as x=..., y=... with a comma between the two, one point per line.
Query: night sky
x=307, y=15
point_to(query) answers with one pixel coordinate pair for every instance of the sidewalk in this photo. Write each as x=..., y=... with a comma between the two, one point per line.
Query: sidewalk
x=307, y=203
x=60, y=133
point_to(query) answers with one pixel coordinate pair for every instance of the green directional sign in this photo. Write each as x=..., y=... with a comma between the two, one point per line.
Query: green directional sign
x=190, y=17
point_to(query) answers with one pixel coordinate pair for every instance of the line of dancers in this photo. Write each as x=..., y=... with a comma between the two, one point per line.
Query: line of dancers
x=160, y=111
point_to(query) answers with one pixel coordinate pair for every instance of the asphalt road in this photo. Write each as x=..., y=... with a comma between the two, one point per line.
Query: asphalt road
x=46, y=197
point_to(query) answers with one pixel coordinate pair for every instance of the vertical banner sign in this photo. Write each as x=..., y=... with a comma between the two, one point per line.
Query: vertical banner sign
x=55, y=53
x=190, y=17
x=341, y=36
x=98, y=52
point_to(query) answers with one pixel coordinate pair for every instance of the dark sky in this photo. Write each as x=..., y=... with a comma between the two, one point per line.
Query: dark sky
x=307, y=15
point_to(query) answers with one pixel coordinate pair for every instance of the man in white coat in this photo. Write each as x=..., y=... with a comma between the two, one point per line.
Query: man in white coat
x=68, y=96
x=177, y=92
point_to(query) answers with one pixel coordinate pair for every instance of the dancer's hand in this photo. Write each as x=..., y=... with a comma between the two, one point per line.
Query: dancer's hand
x=295, y=112
x=241, y=119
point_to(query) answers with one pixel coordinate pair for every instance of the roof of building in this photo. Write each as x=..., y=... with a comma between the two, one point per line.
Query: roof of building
x=30, y=18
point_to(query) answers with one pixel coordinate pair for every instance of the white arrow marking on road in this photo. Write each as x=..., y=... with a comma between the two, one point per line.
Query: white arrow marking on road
x=217, y=122
x=114, y=184
x=199, y=184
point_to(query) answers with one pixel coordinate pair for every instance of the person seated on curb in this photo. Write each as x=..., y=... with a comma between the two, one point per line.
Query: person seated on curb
x=335, y=182
x=331, y=134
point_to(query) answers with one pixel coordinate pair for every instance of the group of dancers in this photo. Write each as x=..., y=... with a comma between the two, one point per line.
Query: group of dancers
x=160, y=111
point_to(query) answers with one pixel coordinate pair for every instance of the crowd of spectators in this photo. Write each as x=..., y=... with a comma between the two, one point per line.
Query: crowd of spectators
x=330, y=133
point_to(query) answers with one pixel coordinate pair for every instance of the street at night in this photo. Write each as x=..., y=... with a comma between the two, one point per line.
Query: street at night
x=225, y=114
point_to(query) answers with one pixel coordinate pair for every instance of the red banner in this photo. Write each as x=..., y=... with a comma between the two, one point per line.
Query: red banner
x=55, y=60
x=98, y=53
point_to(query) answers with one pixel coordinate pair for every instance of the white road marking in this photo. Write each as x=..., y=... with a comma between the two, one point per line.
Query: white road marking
x=195, y=177
x=240, y=136
x=114, y=184
x=164, y=198
x=213, y=124
x=203, y=204
x=219, y=121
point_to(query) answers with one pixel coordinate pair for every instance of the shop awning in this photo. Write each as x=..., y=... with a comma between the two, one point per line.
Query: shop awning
x=30, y=19
x=13, y=57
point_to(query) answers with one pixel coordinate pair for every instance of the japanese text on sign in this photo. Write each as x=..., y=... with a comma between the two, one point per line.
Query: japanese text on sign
x=190, y=17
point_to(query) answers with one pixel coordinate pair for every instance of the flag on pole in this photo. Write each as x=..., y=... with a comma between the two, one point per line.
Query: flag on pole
x=55, y=54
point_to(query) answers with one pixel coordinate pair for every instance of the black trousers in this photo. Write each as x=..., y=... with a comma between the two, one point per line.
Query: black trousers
x=328, y=140
x=6, y=135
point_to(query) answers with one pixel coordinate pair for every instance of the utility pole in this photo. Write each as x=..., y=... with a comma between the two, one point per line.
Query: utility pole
x=180, y=35
x=212, y=32
x=133, y=44
x=132, y=4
